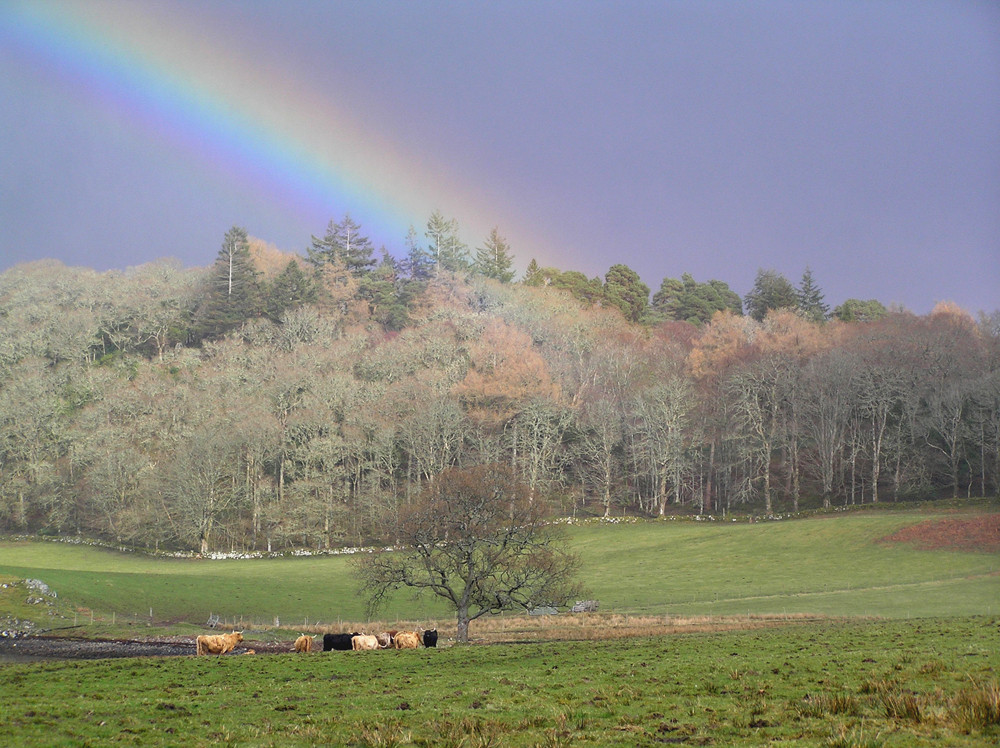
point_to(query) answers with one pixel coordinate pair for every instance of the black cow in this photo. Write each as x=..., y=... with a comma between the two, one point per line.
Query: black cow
x=341, y=642
x=431, y=638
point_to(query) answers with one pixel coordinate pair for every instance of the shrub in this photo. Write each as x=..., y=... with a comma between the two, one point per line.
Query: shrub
x=976, y=707
x=901, y=705
x=824, y=705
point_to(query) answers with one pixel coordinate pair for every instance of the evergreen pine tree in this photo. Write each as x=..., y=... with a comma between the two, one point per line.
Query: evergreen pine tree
x=689, y=301
x=587, y=290
x=494, y=259
x=323, y=250
x=356, y=250
x=233, y=295
x=343, y=242
x=531, y=273
x=418, y=263
x=446, y=250
x=292, y=288
x=388, y=294
x=810, y=299
x=668, y=301
x=728, y=299
x=771, y=290
x=624, y=289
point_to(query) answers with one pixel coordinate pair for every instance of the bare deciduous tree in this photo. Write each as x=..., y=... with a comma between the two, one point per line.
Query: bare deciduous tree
x=476, y=539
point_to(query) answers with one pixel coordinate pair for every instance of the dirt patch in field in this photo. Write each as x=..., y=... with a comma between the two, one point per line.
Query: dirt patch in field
x=33, y=648
x=585, y=627
x=512, y=630
x=980, y=533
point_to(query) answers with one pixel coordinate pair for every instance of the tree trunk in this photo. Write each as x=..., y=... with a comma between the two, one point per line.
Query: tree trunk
x=707, y=501
x=854, y=463
x=796, y=487
x=767, y=485
x=878, y=433
x=251, y=489
x=463, y=624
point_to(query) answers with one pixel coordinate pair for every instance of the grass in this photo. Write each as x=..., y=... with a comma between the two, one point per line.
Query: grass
x=829, y=566
x=829, y=683
x=709, y=634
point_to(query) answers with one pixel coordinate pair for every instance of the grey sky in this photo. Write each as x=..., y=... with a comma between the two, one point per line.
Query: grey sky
x=861, y=139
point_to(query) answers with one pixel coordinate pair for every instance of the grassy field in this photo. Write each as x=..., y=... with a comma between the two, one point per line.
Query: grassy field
x=826, y=565
x=831, y=565
x=927, y=682
x=710, y=633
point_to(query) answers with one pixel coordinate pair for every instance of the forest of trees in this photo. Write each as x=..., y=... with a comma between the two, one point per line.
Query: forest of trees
x=275, y=401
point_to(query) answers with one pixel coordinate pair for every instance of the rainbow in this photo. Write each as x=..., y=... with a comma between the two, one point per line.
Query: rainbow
x=260, y=124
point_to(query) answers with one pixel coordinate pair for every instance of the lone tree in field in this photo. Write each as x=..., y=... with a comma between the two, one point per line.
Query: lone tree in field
x=475, y=538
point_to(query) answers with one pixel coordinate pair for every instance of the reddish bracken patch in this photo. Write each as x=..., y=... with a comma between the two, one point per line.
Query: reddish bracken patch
x=980, y=533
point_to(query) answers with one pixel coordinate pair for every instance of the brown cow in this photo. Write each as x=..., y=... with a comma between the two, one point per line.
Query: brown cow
x=218, y=644
x=304, y=643
x=407, y=640
x=384, y=640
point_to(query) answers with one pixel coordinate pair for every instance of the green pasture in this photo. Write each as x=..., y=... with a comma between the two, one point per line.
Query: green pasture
x=858, y=683
x=829, y=565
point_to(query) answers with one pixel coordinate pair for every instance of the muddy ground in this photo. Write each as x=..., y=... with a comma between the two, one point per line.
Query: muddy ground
x=30, y=648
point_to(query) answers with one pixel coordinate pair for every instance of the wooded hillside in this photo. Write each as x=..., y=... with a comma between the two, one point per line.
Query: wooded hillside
x=270, y=402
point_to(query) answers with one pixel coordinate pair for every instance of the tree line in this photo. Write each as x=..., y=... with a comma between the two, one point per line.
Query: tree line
x=341, y=267
x=275, y=401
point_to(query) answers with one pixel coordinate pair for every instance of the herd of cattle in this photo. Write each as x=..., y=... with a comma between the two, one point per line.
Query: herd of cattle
x=221, y=644
x=385, y=640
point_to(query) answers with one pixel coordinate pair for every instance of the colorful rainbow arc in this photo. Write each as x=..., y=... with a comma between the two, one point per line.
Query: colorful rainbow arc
x=234, y=115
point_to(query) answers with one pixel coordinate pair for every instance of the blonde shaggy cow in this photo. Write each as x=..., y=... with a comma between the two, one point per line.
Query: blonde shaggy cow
x=360, y=643
x=304, y=643
x=407, y=640
x=218, y=644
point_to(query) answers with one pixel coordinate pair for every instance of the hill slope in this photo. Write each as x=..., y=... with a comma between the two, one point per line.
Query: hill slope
x=837, y=565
